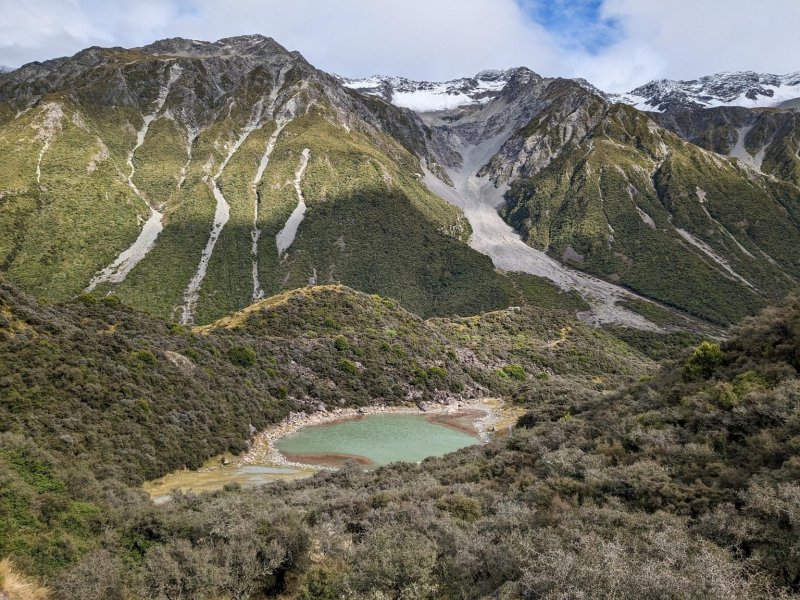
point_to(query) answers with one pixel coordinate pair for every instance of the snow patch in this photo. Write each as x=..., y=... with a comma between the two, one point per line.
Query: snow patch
x=426, y=96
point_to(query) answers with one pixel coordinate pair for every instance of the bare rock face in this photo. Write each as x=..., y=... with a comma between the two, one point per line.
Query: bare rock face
x=183, y=363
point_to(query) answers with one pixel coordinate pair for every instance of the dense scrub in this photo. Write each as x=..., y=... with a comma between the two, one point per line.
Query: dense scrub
x=682, y=484
x=97, y=397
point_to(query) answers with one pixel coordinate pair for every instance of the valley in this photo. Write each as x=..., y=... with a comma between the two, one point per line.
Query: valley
x=270, y=332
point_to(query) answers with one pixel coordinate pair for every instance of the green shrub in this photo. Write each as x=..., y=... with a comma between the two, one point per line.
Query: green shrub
x=145, y=356
x=349, y=366
x=703, y=361
x=112, y=300
x=437, y=372
x=724, y=396
x=514, y=371
x=749, y=381
x=461, y=507
x=243, y=356
x=326, y=581
x=341, y=343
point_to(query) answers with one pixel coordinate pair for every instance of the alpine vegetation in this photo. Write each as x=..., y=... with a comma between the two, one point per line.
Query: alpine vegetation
x=269, y=332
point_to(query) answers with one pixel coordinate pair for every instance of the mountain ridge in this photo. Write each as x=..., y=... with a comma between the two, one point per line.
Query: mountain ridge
x=163, y=173
x=729, y=88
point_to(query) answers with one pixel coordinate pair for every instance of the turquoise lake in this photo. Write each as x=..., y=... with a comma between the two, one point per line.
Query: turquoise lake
x=376, y=440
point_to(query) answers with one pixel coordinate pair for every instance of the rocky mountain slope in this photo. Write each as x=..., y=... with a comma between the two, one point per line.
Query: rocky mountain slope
x=192, y=178
x=609, y=190
x=765, y=141
x=636, y=204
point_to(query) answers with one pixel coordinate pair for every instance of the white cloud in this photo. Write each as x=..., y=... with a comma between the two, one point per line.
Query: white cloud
x=690, y=38
x=430, y=39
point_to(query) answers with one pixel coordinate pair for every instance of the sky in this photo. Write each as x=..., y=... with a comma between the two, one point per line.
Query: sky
x=615, y=44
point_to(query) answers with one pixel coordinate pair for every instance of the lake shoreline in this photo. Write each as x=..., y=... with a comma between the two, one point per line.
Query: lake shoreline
x=264, y=450
x=264, y=453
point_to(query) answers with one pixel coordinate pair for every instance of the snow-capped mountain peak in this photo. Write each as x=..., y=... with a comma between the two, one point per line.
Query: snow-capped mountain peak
x=741, y=88
x=427, y=96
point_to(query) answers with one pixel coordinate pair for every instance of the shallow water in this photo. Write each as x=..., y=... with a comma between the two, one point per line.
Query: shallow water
x=372, y=440
x=216, y=476
x=376, y=440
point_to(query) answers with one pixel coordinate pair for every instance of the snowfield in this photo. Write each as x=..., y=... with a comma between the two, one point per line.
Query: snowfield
x=425, y=96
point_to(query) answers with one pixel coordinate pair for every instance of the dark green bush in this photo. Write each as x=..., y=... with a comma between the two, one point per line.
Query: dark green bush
x=146, y=357
x=243, y=356
x=515, y=371
x=349, y=366
x=341, y=343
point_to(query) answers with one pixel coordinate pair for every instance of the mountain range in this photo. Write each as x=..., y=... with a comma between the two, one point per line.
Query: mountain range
x=191, y=179
x=200, y=240
x=743, y=88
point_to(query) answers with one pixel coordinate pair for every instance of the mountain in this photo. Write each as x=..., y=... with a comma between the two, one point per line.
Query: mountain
x=425, y=96
x=542, y=151
x=764, y=141
x=192, y=178
x=634, y=203
x=742, y=88
x=199, y=239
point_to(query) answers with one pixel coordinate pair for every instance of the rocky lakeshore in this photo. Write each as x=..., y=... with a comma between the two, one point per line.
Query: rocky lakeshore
x=264, y=450
x=263, y=454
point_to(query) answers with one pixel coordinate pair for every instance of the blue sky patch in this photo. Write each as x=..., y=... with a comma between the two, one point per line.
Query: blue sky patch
x=577, y=23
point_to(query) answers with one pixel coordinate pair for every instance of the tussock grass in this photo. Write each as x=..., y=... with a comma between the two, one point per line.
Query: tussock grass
x=16, y=586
